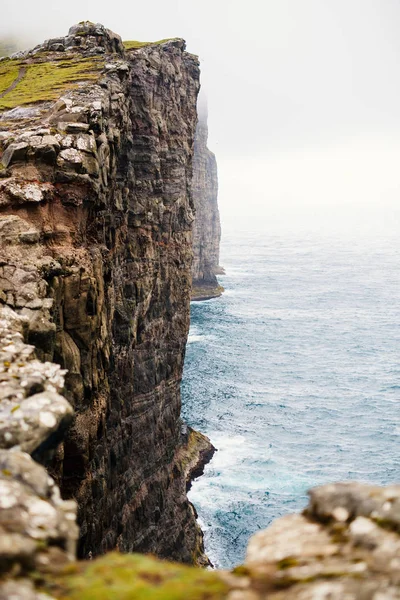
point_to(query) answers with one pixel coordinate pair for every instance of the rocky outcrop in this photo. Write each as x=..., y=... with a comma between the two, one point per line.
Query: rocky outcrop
x=206, y=227
x=36, y=526
x=346, y=544
x=96, y=247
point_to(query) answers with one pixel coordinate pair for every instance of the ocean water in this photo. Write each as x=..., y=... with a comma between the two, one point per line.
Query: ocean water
x=294, y=374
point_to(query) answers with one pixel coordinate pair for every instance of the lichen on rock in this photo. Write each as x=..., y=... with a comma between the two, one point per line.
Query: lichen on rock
x=36, y=525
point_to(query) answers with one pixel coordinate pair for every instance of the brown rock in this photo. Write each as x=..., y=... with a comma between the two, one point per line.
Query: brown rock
x=105, y=289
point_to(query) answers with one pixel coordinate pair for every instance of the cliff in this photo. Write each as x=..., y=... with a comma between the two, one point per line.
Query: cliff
x=206, y=227
x=96, y=248
x=95, y=271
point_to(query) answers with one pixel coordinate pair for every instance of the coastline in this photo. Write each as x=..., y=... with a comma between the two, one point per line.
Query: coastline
x=201, y=293
x=193, y=455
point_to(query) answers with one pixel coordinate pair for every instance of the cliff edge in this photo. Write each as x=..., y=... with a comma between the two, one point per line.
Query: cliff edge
x=96, y=145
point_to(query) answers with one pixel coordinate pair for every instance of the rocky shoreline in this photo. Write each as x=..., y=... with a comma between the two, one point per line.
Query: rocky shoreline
x=199, y=294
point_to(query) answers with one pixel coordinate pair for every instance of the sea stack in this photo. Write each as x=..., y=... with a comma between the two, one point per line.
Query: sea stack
x=207, y=226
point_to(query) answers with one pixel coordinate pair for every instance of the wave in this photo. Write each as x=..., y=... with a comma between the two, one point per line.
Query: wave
x=293, y=373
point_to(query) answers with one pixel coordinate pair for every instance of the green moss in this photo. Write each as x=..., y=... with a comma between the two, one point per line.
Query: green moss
x=287, y=563
x=47, y=80
x=241, y=571
x=385, y=523
x=9, y=70
x=133, y=45
x=134, y=577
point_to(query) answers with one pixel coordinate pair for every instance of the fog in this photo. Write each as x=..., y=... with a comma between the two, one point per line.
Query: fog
x=303, y=96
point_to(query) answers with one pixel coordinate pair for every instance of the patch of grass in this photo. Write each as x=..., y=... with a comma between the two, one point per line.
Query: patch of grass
x=287, y=563
x=133, y=45
x=135, y=577
x=9, y=70
x=45, y=81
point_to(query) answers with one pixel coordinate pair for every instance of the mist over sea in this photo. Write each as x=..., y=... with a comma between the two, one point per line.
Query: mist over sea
x=294, y=374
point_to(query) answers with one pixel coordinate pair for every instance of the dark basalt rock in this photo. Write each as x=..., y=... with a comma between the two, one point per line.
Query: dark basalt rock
x=96, y=256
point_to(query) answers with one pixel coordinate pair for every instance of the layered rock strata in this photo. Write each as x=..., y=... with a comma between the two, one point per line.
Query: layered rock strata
x=206, y=227
x=96, y=248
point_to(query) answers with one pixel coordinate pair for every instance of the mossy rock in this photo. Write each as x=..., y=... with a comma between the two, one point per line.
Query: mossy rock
x=134, y=577
x=45, y=80
x=134, y=45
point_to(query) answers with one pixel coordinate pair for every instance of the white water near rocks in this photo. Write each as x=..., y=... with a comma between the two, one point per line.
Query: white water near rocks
x=294, y=373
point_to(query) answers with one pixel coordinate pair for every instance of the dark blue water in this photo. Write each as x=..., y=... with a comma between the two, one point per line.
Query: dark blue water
x=294, y=374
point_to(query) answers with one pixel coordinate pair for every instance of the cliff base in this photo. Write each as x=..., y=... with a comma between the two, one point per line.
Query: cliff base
x=206, y=292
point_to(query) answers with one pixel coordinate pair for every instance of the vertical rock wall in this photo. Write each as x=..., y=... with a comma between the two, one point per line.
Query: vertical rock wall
x=207, y=227
x=95, y=224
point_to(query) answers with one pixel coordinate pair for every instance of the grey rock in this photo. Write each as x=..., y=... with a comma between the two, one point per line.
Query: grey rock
x=33, y=518
x=30, y=237
x=86, y=143
x=76, y=127
x=346, y=501
x=70, y=157
x=11, y=228
x=20, y=112
x=20, y=589
x=14, y=153
x=345, y=545
x=24, y=191
x=27, y=423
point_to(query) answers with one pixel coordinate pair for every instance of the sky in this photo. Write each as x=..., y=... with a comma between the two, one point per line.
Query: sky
x=303, y=95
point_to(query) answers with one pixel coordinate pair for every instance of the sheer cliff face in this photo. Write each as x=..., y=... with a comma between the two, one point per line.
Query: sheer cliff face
x=95, y=221
x=207, y=228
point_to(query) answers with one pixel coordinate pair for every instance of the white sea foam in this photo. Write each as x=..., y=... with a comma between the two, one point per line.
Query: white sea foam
x=195, y=338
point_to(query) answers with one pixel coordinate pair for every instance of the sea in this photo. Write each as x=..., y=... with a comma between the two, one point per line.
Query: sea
x=294, y=374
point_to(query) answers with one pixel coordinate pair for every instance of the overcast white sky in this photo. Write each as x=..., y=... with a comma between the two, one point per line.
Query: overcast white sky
x=303, y=95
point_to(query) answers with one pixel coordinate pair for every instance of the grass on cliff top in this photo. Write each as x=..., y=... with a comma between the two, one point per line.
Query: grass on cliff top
x=133, y=45
x=136, y=577
x=45, y=81
x=8, y=73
